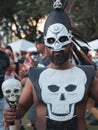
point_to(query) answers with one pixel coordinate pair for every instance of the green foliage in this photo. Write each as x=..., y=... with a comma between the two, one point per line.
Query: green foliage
x=25, y=14
x=86, y=16
x=7, y=8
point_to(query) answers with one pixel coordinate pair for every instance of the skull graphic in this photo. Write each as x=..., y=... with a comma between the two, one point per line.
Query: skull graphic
x=11, y=90
x=61, y=90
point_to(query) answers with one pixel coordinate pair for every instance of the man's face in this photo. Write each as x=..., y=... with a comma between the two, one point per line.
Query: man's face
x=58, y=42
x=40, y=47
x=59, y=57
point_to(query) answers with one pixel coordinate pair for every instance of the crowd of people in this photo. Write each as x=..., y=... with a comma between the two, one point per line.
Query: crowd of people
x=17, y=67
x=56, y=91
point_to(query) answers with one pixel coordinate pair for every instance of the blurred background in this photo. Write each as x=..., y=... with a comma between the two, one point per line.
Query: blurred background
x=24, y=19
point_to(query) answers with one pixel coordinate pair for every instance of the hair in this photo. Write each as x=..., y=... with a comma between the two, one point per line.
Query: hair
x=9, y=47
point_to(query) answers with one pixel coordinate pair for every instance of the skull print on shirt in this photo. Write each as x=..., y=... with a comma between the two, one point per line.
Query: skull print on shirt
x=61, y=90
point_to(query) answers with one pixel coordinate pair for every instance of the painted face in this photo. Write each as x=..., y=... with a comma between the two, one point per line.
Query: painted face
x=57, y=37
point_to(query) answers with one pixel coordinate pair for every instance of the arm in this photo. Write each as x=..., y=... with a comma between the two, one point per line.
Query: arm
x=26, y=99
x=81, y=121
x=17, y=76
x=94, y=89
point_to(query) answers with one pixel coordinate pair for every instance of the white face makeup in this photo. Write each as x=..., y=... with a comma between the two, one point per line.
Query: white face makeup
x=57, y=37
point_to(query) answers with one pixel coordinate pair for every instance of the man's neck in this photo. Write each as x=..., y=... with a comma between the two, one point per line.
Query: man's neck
x=66, y=65
x=44, y=54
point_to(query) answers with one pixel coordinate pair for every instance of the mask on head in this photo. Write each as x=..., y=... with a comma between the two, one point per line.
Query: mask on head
x=57, y=37
x=57, y=32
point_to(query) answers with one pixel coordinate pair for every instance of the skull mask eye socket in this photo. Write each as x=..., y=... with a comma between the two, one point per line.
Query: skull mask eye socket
x=16, y=91
x=53, y=88
x=51, y=40
x=8, y=91
x=63, y=39
x=70, y=88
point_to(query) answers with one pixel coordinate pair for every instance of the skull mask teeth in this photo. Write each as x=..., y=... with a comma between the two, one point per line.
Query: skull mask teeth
x=11, y=89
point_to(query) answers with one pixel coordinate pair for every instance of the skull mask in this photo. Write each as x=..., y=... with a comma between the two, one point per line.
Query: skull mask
x=61, y=90
x=11, y=90
x=57, y=37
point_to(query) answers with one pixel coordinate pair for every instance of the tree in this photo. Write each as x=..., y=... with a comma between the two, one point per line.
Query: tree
x=23, y=15
x=85, y=15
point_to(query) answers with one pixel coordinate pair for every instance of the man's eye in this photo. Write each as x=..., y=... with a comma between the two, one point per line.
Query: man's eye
x=50, y=40
x=63, y=39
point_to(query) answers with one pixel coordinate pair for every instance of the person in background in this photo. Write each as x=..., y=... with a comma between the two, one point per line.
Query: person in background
x=58, y=93
x=9, y=52
x=32, y=59
x=41, y=49
x=4, y=64
x=12, y=72
x=17, y=62
x=83, y=56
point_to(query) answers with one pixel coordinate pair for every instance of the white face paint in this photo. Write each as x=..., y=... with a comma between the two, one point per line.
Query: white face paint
x=61, y=90
x=57, y=37
x=11, y=90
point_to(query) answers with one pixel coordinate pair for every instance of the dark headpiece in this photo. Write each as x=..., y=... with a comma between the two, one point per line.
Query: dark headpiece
x=57, y=15
x=57, y=29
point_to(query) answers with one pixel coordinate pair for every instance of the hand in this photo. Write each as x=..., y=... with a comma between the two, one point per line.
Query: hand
x=10, y=115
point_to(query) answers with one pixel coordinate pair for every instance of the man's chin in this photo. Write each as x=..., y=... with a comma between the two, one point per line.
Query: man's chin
x=58, y=62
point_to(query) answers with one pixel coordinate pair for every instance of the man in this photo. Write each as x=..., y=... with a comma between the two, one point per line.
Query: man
x=4, y=63
x=57, y=91
x=41, y=49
